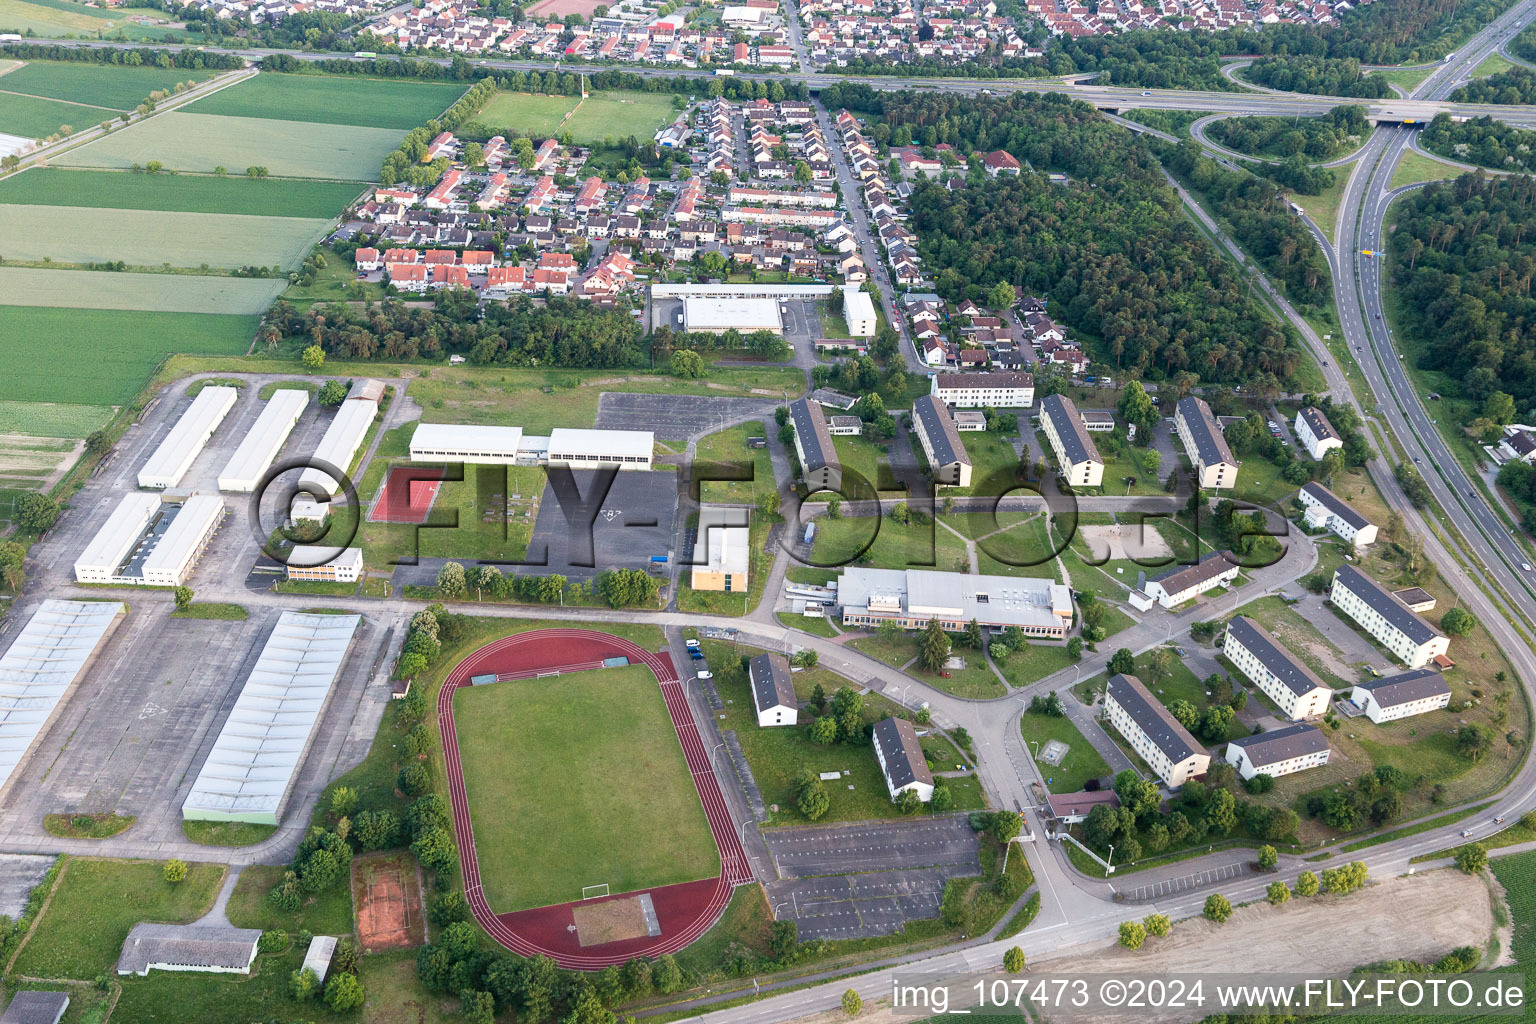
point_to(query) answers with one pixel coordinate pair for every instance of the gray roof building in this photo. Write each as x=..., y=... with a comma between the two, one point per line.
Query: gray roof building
x=1075, y=439
x=1181, y=578
x=901, y=753
x=1282, y=744
x=1380, y=599
x=815, y=439
x=833, y=399
x=1282, y=664
x=772, y=684
x=995, y=381
x=1405, y=687
x=940, y=431
x=1152, y=718
x=1204, y=434
x=188, y=947
x=36, y=1008
x=1318, y=424
x=1336, y=505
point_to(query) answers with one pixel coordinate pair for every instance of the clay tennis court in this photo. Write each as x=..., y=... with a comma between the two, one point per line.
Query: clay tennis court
x=682, y=912
x=388, y=900
x=407, y=495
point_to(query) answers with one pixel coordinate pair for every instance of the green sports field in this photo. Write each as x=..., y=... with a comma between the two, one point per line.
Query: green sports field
x=202, y=142
x=536, y=116
x=578, y=780
x=173, y=293
x=364, y=102
x=102, y=356
x=74, y=234
x=620, y=114
x=100, y=85
x=35, y=118
x=182, y=193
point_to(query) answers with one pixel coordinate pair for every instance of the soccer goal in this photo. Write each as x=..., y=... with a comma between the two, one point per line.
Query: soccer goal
x=589, y=892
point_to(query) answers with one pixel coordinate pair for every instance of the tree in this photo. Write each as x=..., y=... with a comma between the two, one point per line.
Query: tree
x=1473, y=740
x=413, y=780
x=666, y=976
x=1013, y=960
x=175, y=871
x=943, y=798
x=343, y=992
x=1215, y=723
x=909, y=802
x=1472, y=859
x=1217, y=908
x=36, y=513
x=1277, y=893
x=935, y=646
x=1152, y=461
x=811, y=797
x=451, y=580
x=183, y=598
x=1001, y=296
x=1122, y=662
x=687, y=363
x=1458, y=622
x=1075, y=648
x=1132, y=934
x=304, y=984
x=852, y=1004
x=974, y=638
x=1158, y=925
x=1135, y=406
x=313, y=357
x=343, y=801
x=435, y=850
x=1185, y=712
x=824, y=730
x=98, y=442
x=332, y=393
x=1345, y=879
x=1269, y=857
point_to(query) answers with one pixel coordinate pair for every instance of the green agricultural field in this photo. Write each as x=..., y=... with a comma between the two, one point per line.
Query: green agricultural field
x=100, y=85
x=76, y=289
x=35, y=118
x=329, y=99
x=103, y=356
x=203, y=142
x=182, y=193
x=620, y=114
x=52, y=18
x=48, y=419
x=77, y=234
x=588, y=730
x=535, y=116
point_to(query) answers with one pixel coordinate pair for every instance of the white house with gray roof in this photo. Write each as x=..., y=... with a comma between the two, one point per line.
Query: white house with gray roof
x=901, y=758
x=1185, y=583
x=947, y=457
x=1327, y=511
x=1408, y=635
x=1402, y=696
x=1283, y=751
x=813, y=444
x=1295, y=689
x=217, y=949
x=1205, y=444
x=1076, y=454
x=1153, y=732
x=773, y=690
x=1315, y=433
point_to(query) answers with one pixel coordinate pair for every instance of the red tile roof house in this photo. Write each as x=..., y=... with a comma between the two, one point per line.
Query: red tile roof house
x=1000, y=162
x=407, y=277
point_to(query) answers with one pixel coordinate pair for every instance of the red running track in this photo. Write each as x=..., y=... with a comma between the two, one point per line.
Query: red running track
x=407, y=495
x=684, y=911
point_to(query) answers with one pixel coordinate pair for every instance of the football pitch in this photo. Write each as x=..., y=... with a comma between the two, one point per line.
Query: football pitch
x=619, y=115
x=183, y=193
x=578, y=780
x=533, y=115
x=333, y=99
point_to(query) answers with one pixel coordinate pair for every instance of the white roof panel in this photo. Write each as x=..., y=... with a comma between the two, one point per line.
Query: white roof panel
x=118, y=534
x=260, y=447
x=462, y=437
x=171, y=460
x=564, y=441
x=184, y=534
x=341, y=441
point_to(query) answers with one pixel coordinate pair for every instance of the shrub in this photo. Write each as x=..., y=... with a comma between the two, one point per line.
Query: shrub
x=304, y=984
x=1158, y=925
x=852, y=1004
x=344, y=992
x=1132, y=934
x=175, y=871
x=413, y=780
x=1013, y=960
x=1217, y=908
x=272, y=940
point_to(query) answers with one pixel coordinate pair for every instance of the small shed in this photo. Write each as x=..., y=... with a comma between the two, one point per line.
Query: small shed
x=318, y=957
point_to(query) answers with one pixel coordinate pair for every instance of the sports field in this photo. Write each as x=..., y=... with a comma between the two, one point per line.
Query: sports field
x=202, y=142
x=330, y=99
x=578, y=780
x=620, y=114
x=36, y=118
x=183, y=193
x=102, y=356
x=101, y=85
x=146, y=238
x=535, y=116
x=173, y=293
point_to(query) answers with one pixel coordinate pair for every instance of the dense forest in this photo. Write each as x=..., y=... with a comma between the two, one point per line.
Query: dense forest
x=1324, y=76
x=1465, y=256
x=1337, y=132
x=1515, y=86
x=1482, y=141
x=1260, y=221
x=1112, y=249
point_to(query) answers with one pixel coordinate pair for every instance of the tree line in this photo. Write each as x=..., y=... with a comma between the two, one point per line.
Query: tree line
x=194, y=60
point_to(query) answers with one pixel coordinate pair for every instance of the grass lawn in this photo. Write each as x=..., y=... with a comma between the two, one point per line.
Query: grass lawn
x=816, y=625
x=202, y=142
x=1082, y=761
x=993, y=463
x=326, y=913
x=975, y=681
x=213, y=610
x=33, y=117
x=334, y=99
x=49, y=419
x=619, y=114
x=181, y=193
x=76, y=289
x=101, y=85
x=102, y=357
x=1407, y=78
x=87, y=826
x=862, y=456
x=1025, y=549
x=55, y=17
x=887, y=544
x=1035, y=664
x=394, y=992
x=229, y=998
x=1492, y=65
x=226, y=833
x=536, y=847
x=1416, y=167
x=729, y=446
x=1316, y=651
x=533, y=115
x=96, y=902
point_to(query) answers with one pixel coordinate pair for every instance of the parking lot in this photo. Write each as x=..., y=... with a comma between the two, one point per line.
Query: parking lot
x=628, y=525
x=1158, y=890
x=675, y=419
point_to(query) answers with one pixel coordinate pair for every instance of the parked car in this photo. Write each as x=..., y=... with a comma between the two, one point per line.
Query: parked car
x=706, y=674
x=692, y=644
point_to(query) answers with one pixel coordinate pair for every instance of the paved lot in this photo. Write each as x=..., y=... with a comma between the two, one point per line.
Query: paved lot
x=628, y=525
x=853, y=906
x=674, y=418
x=20, y=873
x=885, y=846
x=1168, y=887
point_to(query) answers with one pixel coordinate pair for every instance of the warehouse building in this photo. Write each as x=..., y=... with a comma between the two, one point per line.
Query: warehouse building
x=267, y=436
x=947, y=458
x=1283, y=751
x=599, y=449
x=1401, y=696
x=175, y=455
x=910, y=597
x=716, y=315
x=151, y=540
x=325, y=564
x=901, y=758
x=1076, y=454
x=509, y=446
x=1327, y=511
x=813, y=444
x=773, y=690
x=254, y=761
x=998, y=390
x=1315, y=433
x=722, y=554
x=1153, y=732
x=859, y=312
x=205, y=948
x=1285, y=679
x=461, y=442
x=1185, y=583
x=1410, y=638
x=48, y=656
x=1205, y=444
x=342, y=440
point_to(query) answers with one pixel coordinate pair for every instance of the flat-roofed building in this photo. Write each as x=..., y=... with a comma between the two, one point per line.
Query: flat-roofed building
x=722, y=555
x=859, y=312
x=1153, y=732
x=910, y=597
x=205, y=948
x=716, y=315
x=170, y=461
x=1283, y=751
x=773, y=690
x=1327, y=511
x=996, y=390
x=901, y=758
x=267, y=436
x=1402, y=696
x=1315, y=433
x=1295, y=689
x=339, y=445
x=947, y=458
x=150, y=540
x=1205, y=444
x=845, y=426
x=1185, y=583
x=325, y=564
x=813, y=445
x=1076, y=454
x=1410, y=637
x=462, y=442
x=596, y=449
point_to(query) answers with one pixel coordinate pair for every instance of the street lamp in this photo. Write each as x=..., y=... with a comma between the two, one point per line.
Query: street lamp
x=1109, y=866
x=1037, y=749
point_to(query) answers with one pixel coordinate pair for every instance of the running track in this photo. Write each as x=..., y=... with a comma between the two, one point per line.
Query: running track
x=527, y=651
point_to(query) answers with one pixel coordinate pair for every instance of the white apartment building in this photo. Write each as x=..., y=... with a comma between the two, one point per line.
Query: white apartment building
x=948, y=460
x=997, y=390
x=773, y=690
x=1284, y=678
x=1283, y=751
x=1327, y=511
x=1153, y=732
x=1402, y=696
x=1409, y=636
x=1076, y=454
x=1205, y=444
x=1315, y=433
